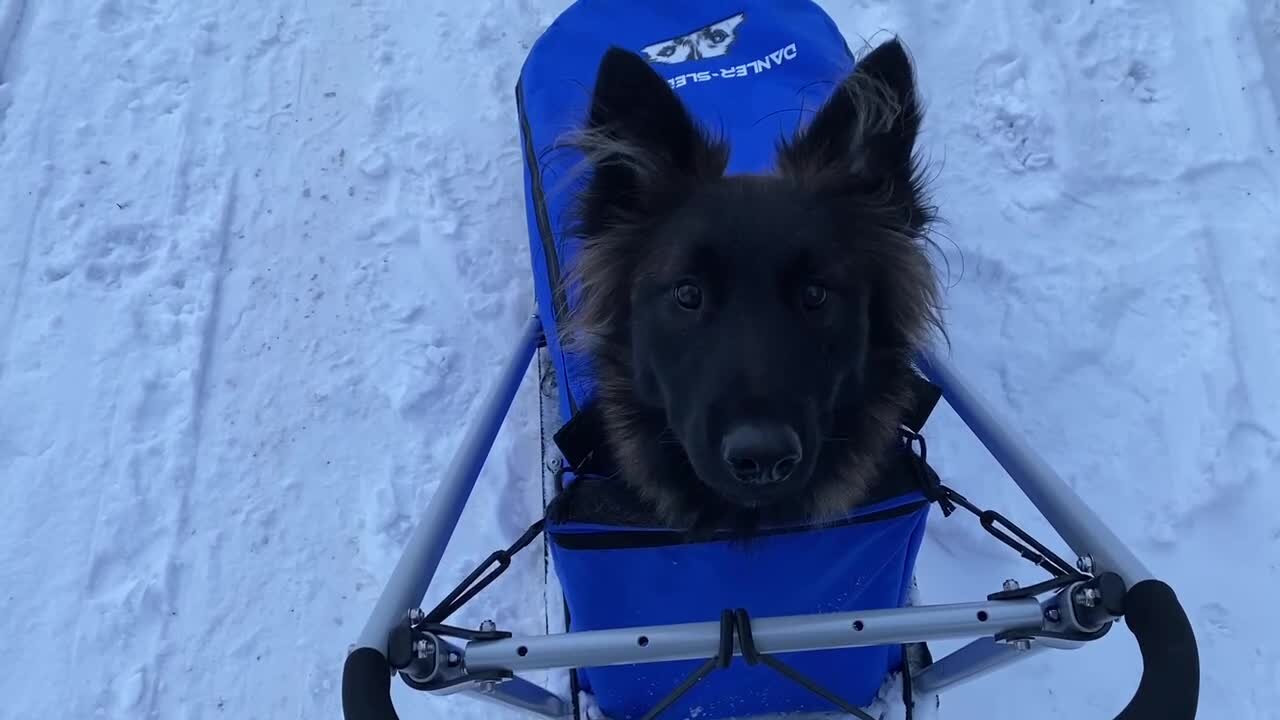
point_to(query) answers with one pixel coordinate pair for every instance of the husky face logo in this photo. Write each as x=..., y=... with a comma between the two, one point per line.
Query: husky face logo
x=713, y=40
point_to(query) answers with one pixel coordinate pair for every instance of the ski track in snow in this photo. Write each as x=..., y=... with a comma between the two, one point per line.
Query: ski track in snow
x=264, y=257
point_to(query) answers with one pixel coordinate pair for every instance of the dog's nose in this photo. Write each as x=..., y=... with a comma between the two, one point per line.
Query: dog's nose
x=761, y=454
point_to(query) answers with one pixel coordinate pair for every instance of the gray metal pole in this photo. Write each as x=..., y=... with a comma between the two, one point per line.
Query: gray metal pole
x=1075, y=521
x=524, y=695
x=972, y=661
x=688, y=641
x=417, y=565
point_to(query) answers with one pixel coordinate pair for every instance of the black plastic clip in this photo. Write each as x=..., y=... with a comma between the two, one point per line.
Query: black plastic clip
x=930, y=484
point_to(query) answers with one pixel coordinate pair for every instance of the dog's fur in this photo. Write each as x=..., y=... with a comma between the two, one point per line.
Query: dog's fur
x=845, y=212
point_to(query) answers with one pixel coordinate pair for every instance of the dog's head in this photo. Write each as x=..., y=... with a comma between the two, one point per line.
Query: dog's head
x=753, y=314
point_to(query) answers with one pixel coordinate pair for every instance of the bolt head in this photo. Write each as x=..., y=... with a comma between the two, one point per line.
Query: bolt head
x=424, y=649
x=416, y=616
x=1088, y=597
x=1084, y=564
x=1022, y=645
x=487, y=687
x=1011, y=584
x=1052, y=615
x=488, y=626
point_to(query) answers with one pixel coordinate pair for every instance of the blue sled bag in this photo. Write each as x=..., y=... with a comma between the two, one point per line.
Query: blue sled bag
x=735, y=64
x=616, y=576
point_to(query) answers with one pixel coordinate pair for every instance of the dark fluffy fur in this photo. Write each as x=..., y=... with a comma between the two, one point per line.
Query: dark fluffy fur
x=844, y=210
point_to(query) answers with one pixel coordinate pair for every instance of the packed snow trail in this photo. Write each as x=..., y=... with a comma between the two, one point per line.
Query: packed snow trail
x=261, y=259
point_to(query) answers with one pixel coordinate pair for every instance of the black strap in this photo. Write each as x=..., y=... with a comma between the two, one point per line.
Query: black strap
x=925, y=396
x=500, y=560
x=908, y=695
x=739, y=622
x=1031, y=549
x=582, y=442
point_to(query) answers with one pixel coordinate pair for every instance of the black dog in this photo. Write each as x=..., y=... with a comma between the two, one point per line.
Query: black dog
x=753, y=336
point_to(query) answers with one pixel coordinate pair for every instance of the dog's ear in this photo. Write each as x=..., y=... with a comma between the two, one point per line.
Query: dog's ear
x=866, y=131
x=860, y=147
x=639, y=133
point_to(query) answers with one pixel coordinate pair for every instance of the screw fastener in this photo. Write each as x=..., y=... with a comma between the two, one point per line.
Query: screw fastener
x=424, y=649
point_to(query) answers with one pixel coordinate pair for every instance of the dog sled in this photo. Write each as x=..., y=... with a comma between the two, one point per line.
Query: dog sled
x=657, y=626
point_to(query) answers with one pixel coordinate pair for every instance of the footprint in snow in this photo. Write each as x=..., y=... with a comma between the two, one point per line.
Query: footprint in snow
x=1006, y=117
x=109, y=257
x=114, y=16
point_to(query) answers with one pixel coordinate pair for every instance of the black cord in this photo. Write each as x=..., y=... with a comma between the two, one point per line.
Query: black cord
x=752, y=656
x=948, y=500
x=720, y=661
x=738, y=622
x=474, y=583
x=908, y=695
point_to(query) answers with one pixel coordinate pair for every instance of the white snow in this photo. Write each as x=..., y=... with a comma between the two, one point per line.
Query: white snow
x=260, y=259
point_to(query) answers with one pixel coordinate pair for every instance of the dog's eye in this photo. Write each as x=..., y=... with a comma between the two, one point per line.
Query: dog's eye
x=813, y=296
x=689, y=296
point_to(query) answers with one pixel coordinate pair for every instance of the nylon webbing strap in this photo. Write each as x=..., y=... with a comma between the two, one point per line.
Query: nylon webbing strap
x=582, y=441
x=925, y=396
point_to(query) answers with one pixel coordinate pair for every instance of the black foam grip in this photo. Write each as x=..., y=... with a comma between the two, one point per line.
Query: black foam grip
x=366, y=687
x=1170, y=686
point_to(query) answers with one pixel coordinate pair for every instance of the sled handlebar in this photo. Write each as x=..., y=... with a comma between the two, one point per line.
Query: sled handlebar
x=366, y=686
x=1169, y=688
x=1170, y=685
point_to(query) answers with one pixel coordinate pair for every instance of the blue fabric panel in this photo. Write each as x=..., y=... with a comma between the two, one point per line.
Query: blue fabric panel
x=859, y=566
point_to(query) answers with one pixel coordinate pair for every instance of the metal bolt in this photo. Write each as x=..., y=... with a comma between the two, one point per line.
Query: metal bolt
x=487, y=686
x=1022, y=645
x=488, y=626
x=1052, y=615
x=416, y=616
x=1011, y=585
x=553, y=464
x=1089, y=597
x=1085, y=564
x=424, y=649
x=454, y=659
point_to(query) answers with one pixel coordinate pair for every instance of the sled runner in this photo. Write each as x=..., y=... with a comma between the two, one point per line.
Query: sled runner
x=805, y=618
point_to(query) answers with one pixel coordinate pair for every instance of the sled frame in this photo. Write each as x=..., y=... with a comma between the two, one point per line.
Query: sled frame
x=485, y=667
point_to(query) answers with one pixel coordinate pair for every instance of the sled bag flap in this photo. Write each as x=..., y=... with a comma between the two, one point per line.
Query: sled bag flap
x=863, y=562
